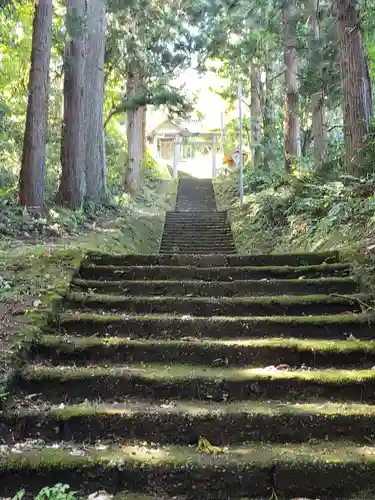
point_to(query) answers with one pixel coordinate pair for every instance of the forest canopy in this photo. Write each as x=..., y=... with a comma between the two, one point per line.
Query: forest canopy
x=77, y=80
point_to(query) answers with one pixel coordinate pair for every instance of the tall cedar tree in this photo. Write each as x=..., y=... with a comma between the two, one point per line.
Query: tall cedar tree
x=355, y=79
x=95, y=164
x=292, y=146
x=72, y=187
x=33, y=166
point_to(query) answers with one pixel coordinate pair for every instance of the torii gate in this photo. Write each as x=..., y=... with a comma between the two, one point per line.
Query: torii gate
x=177, y=147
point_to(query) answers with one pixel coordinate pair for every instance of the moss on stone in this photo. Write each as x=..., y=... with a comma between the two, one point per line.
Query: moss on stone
x=176, y=372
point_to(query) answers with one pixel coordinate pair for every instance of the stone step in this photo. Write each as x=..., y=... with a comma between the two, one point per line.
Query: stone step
x=184, y=246
x=314, y=353
x=221, y=288
x=183, y=422
x=171, y=381
x=198, y=251
x=202, y=218
x=223, y=273
x=207, y=261
x=203, y=203
x=201, y=242
x=192, y=228
x=190, y=217
x=224, y=248
x=196, y=236
x=199, y=227
x=206, y=199
x=339, y=327
x=221, y=306
x=213, y=238
x=250, y=471
x=196, y=207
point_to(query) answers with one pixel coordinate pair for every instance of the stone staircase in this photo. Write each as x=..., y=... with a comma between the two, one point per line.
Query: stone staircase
x=200, y=377
x=195, y=196
x=196, y=227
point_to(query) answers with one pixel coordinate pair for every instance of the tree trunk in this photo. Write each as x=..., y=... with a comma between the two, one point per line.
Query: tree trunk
x=94, y=88
x=73, y=152
x=134, y=135
x=292, y=146
x=255, y=115
x=34, y=145
x=268, y=114
x=144, y=135
x=355, y=79
x=318, y=110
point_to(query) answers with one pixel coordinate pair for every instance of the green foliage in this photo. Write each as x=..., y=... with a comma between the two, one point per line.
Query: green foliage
x=303, y=212
x=58, y=492
x=163, y=46
x=154, y=51
x=177, y=103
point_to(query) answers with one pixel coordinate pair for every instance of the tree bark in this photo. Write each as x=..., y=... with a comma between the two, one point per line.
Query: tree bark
x=34, y=145
x=134, y=117
x=292, y=146
x=318, y=109
x=255, y=115
x=73, y=152
x=355, y=79
x=94, y=89
x=144, y=135
x=268, y=113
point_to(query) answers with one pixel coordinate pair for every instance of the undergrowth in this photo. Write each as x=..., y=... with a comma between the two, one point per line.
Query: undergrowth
x=38, y=256
x=305, y=211
x=58, y=492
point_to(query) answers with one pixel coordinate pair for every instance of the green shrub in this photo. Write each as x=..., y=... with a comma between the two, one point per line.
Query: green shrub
x=57, y=492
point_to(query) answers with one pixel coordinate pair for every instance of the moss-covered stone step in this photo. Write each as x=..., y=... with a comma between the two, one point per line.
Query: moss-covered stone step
x=194, y=251
x=183, y=422
x=186, y=205
x=197, y=242
x=201, y=204
x=203, y=251
x=199, y=221
x=183, y=381
x=322, y=327
x=203, y=217
x=209, y=215
x=196, y=223
x=212, y=273
x=214, y=239
x=209, y=250
x=191, y=231
x=168, y=250
x=312, y=286
x=337, y=470
x=293, y=259
x=207, y=352
x=187, y=215
x=203, y=246
x=220, y=306
x=157, y=260
x=203, y=242
x=212, y=231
